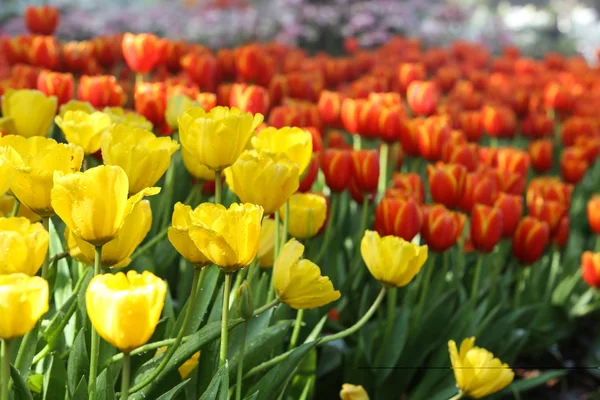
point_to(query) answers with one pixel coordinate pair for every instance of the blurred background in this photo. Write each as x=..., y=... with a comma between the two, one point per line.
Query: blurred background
x=539, y=26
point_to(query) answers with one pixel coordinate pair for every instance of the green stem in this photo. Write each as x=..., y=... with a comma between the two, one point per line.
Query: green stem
x=457, y=396
x=306, y=390
x=364, y=215
x=240, y=367
x=139, y=78
x=415, y=165
x=46, y=224
x=218, y=187
x=286, y=221
x=5, y=377
x=251, y=269
x=168, y=199
x=16, y=207
x=597, y=246
x=383, y=162
x=520, y=278
x=297, y=326
x=198, y=279
x=238, y=281
x=95, y=347
x=276, y=251
x=356, y=143
x=329, y=229
x=426, y=281
x=225, y=320
x=476, y=278
x=554, y=269
x=150, y=243
x=125, y=371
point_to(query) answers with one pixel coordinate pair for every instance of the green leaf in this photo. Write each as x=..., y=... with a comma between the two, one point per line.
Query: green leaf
x=20, y=389
x=393, y=348
x=78, y=363
x=172, y=394
x=105, y=386
x=256, y=326
x=260, y=291
x=62, y=287
x=317, y=329
x=35, y=383
x=55, y=380
x=523, y=385
x=29, y=351
x=81, y=391
x=217, y=306
x=53, y=331
x=270, y=385
x=218, y=389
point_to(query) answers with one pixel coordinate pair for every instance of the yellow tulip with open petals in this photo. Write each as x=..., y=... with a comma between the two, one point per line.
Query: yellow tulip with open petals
x=143, y=156
x=33, y=180
x=24, y=246
x=392, y=260
x=75, y=105
x=23, y=301
x=176, y=106
x=31, y=110
x=307, y=214
x=9, y=159
x=263, y=178
x=353, y=392
x=227, y=237
x=179, y=236
x=116, y=253
x=298, y=283
x=131, y=118
x=217, y=138
x=7, y=203
x=84, y=129
x=478, y=373
x=125, y=309
x=294, y=143
x=199, y=171
x=94, y=204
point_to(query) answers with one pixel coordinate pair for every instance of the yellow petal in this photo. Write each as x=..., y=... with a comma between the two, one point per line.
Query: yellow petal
x=23, y=301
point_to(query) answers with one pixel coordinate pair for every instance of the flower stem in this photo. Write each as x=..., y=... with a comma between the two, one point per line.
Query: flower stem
x=457, y=396
x=286, y=221
x=329, y=229
x=597, y=246
x=297, y=326
x=426, y=281
x=5, y=377
x=199, y=275
x=356, y=143
x=276, y=251
x=46, y=224
x=95, y=347
x=383, y=162
x=151, y=243
x=125, y=371
x=218, y=187
x=16, y=207
x=225, y=320
x=240, y=367
x=476, y=278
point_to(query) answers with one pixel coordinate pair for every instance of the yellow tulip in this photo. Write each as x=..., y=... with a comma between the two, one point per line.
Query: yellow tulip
x=478, y=374
x=143, y=156
x=217, y=138
x=131, y=118
x=392, y=260
x=23, y=301
x=7, y=126
x=227, y=237
x=199, y=171
x=7, y=203
x=307, y=214
x=298, y=283
x=263, y=178
x=188, y=366
x=124, y=309
x=9, y=159
x=94, y=204
x=353, y=392
x=32, y=111
x=33, y=181
x=179, y=236
x=116, y=253
x=266, y=246
x=75, y=105
x=84, y=129
x=176, y=106
x=24, y=246
x=294, y=143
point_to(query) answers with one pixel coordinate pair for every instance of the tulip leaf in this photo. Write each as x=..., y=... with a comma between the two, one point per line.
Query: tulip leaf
x=261, y=290
x=78, y=363
x=20, y=389
x=207, y=366
x=105, y=386
x=218, y=389
x=255, y=326
x=523, y=385
x=81, y=390
x=271, y=384
x=172, y=394
x=392, y=349
x=54, y=330
x=28, y=352
x=216, y=310
x=55, y=380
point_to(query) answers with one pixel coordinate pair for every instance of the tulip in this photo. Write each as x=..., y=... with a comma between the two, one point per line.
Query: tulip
x=176, y=106
x=498, y=121
x=78, y=56
x=249, y=98
x=108, y=49
x=179, y=236
x=294, y=143
x=398, y=217
x=479, y=188
x=558, y=97
x=254, y=64
x=150, y=100
x=25, y=246
x=56, y=84
x=561, y=234
x=590, y=265
x=446, y=183
x=573, y=164
x=550, y=211
x=83, y=129
x=508, y=182
x=101, y=91
x=33, y=180
x=75, y=105
x=9, y=160
x=411, y=183
x=513, y=160
x=143, y=156
x=202, y=68
x=486, y=227
x=541, y=155
x=392, y=260
x=197, y=170
x=441, y=228
x=23, y=301
x=266, y=247
x=133, y=119
x=140, y=52
x=593, y=213
x=7, y=204
x=208, y=101
x=470, y=123
x=227, y=237
x=432, y=136
x=365, y=170
x=217, y=138
x=477, y=373
x=511, y=207
x=42, y=20
x=44, y=52
x=94, y=204
x=263, y=178
x=307, y=214
x=353, y=392
x=18, y=105
x=461, y=153
x=310, y=175
x=422, y=97
x=330, y=105
x=337, y=168
x=530, y=239
x=125, y=309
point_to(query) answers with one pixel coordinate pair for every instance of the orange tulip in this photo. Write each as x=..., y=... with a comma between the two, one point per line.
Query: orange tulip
x=56, y=84
x=441, y=227
x=486, y=227
x=530, y=239
x=541, y=155
x=330, y=105
x=365, y=170
x=422, y=97
x=446, y=183
x=141, y=51
x=410, y=183
x=42, y=20
x=408, y=73
x=593, y=213
x=150, y=100
x=398, y=217
x=101, y=91
x=478, y=188
x=590, y=265
x=203, y=69
x=249, y=98
x=44, y=52
x=573, y=164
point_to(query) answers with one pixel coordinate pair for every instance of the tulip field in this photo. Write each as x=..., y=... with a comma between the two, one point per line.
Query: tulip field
x=262, y=223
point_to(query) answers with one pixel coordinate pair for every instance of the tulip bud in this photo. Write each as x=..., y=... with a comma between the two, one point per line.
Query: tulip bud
x=573, y=164
x=422, y=97
x=398, y=217
x=141, y=52
x=337, y=168
x=441, y=227
x=432, y=135
x=486, y=227
x=541, y=155
x=407, y=73
x=513, y=160
x=330, y=105
x=310, y=175
x=411, y=183
x=478, y=188
x=101, y=91
x=511, y=207
x=446, y=183
x=244, y=304
x=558, y=97
x=392, y=124
x=549, y=211
x=365, y=169
x=498, y=121
x=530, y=239
x=203, y=69
x=56, y=84
x=590, y=265
x=42, y=20
x=44, y=52
x=253, y=64
x=307, y=215
x=25, y=301
x=593, y=213
x=350, y=114
x=151, y=102
x=537, y=125
x=460, y=153
x=561, y=235
x=249, y=98
x=409, y=137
